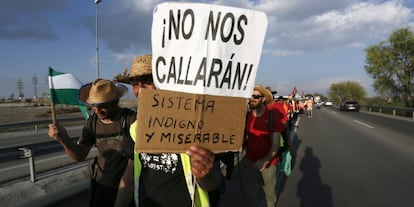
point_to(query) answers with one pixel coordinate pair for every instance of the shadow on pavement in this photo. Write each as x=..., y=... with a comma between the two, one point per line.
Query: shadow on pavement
x=311, y=190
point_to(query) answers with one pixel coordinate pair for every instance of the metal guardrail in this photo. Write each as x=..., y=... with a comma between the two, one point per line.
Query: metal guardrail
x=29, y=152
x=35, y=124
x=19, y=152
x=395, y=111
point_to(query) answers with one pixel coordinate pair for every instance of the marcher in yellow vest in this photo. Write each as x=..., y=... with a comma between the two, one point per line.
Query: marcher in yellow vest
x=168, y=179
x=198, y=195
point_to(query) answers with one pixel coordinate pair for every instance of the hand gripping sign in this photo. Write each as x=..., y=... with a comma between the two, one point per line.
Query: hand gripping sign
x=209, y=54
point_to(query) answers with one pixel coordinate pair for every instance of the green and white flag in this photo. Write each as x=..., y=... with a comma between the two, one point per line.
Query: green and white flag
x=64, y=89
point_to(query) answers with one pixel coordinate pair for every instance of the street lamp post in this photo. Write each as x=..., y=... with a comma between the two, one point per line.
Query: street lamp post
x=97, y=40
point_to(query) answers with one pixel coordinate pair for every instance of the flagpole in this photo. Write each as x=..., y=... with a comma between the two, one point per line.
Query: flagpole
x=53, y=113
x=97, y=41
x=52, y=104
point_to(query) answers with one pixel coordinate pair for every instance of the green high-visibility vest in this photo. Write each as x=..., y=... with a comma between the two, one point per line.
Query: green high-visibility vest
x=198, y=195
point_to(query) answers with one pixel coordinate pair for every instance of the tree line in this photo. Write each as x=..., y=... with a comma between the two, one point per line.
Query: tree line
x=390, y=64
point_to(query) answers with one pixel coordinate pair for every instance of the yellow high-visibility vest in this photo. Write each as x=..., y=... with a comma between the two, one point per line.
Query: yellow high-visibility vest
x=198, y=195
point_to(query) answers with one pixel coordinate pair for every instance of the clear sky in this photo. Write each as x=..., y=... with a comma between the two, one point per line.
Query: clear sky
x=309, y=44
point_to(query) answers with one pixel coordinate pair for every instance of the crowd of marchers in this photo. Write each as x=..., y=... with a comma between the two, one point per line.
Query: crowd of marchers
x=123, y=176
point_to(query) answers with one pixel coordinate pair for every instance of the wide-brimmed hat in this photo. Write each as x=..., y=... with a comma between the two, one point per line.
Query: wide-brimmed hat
x=265, y=92
x=141, y=65
x=101, y=91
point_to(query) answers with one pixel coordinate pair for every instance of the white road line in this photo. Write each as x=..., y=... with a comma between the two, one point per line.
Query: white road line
x=363, y=124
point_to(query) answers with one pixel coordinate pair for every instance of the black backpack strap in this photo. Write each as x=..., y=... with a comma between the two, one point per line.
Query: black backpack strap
x=271, y=121
x=124, y=124
x=125, y=120
x=92, y=124
x=92, y=132
x=245, y=130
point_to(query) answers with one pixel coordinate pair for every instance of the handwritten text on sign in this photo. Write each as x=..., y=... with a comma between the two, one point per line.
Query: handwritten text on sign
x=202, y=48
x=173, y=121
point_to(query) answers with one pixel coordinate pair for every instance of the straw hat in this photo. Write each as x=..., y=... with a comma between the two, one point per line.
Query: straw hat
x=101, y=91
x=265, y=92
x=140, y=66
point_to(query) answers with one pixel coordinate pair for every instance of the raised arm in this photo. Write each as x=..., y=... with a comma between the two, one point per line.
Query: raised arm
x=77, y=152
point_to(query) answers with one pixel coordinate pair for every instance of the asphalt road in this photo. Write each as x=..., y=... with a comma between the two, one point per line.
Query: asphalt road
x=341, y=159
x=351, y=159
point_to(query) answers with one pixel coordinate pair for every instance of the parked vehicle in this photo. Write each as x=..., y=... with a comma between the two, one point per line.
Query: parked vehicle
x=328, y=103
x=349, y=106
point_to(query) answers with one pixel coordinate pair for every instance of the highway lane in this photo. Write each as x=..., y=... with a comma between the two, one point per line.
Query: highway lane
x=351, y=159
x=343, y=159
x=385, y=122
x=20, y=168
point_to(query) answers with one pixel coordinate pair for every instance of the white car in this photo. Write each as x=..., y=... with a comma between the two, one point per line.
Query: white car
x=328, y=103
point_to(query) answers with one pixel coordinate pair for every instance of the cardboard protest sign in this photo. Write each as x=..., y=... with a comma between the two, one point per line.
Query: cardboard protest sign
x=204, y=58
x=173, y=121
x=206, y=49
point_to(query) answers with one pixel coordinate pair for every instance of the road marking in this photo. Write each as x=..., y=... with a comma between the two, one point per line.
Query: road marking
x=363, y=124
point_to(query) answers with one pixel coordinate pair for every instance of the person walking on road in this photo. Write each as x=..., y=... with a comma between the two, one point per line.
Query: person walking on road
x=108, y=130
x=169, y=179
x=258, y=166
x=309, y=107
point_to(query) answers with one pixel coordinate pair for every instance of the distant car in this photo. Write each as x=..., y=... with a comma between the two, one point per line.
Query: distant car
x=318, y=104
x=328, y=103
x=349, y=106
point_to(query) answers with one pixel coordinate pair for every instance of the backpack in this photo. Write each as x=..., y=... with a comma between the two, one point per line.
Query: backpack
x=270, y=126
x=283, y=139
x=125, y=116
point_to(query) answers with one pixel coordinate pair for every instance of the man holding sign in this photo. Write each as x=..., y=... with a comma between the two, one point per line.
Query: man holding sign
x=211, y=53
x=164, y=179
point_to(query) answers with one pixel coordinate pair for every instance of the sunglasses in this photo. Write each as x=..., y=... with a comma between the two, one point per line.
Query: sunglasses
x=101, y=105
x=255, y=96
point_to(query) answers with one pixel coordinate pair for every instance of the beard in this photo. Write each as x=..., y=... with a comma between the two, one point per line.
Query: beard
x=102, y=115
x=254, y=105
